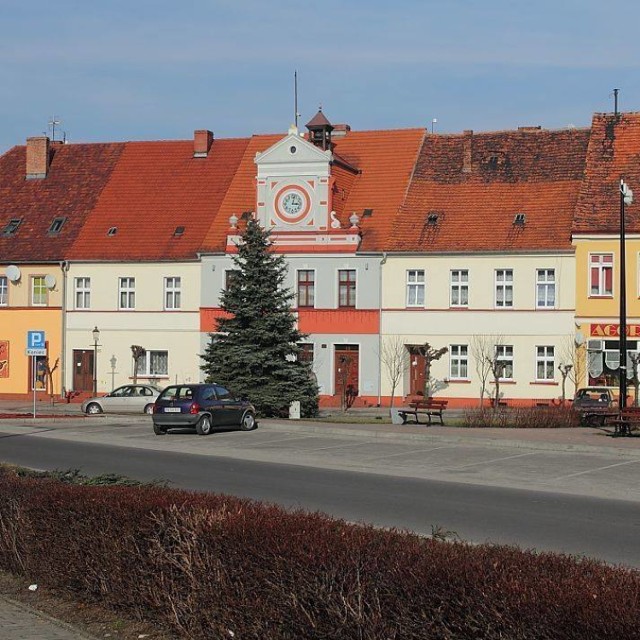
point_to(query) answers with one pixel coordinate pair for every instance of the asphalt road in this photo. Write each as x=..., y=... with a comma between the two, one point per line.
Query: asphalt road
x=544, y=520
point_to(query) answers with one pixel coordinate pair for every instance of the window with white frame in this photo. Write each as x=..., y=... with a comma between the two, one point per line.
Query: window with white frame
x=504, y=288
x=545, y=363
x=83, y=293
x=415, y=288
x=601, y=274
x=458, y=361
x=153, y=363
x=504, y=356
x=127, y=293
x=4, y=291
x=38, y=291
x=545, y=288
x=459, y=288
x=172, y=293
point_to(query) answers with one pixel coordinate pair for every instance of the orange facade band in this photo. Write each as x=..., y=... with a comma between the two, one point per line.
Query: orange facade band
x=613, y=330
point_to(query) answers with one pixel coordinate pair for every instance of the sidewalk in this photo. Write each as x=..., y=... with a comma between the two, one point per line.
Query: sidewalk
x=19, y=621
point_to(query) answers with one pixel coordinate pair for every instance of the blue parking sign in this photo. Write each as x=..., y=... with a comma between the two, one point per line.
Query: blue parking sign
x=35, y=340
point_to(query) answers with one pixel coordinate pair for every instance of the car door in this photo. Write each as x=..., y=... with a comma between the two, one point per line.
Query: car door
x=209, y=402
x=136, y=401
x=116, y=400
x=230, y=407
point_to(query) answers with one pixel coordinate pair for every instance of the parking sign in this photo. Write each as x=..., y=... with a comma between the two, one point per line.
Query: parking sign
x=36, y=344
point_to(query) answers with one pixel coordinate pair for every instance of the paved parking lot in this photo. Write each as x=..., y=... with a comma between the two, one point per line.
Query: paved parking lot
x=577, y=461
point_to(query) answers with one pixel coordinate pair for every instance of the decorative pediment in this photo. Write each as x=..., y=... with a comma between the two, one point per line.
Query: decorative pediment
x=292, y=150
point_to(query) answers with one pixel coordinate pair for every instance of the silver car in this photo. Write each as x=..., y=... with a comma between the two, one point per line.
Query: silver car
x=131, y=398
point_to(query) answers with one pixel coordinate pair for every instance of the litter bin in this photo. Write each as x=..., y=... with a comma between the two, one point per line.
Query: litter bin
x=294, y=410
x=396, y=418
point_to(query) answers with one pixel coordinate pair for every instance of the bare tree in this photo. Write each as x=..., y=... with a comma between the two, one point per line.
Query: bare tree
x=565, y=370
x=430, y=354
x=48, y=369
x=482, y=351
x=574, y=354
x=392, y=358
x=137, y=352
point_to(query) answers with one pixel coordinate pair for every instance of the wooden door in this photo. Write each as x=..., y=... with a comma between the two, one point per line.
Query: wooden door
x=416, y=374
x=346, y=369
x=82, y=370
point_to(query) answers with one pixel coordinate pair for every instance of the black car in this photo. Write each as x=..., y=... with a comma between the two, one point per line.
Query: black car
x=203, y=407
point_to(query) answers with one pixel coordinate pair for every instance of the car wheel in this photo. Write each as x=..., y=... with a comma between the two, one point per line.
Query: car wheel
x=148, y=408
x=203, y=427
x=248, y=422
x=158, y=430
x=94, y=408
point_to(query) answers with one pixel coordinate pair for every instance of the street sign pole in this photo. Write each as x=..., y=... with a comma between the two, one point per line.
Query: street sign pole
x=33, y=365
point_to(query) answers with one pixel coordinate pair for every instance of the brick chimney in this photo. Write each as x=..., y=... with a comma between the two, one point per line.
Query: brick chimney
x=202, y=140
x=38, y=157
x=467, y=156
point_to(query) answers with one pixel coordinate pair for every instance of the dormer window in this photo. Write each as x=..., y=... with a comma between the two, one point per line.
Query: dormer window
x=112, y=231
x=367, y=213
x=519, y=219
x=432, y=219
x=56, y=226
x=178, y=232
x=12, y=226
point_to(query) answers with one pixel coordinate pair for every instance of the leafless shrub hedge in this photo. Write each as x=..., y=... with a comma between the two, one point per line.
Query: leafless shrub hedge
x=548, y=417
x=211, y=566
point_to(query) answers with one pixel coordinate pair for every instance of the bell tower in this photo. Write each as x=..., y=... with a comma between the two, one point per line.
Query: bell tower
x=320, y=130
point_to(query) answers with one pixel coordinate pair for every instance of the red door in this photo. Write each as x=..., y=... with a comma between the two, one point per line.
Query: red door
x=82, y=370
x=346, y=371
x=416, y=375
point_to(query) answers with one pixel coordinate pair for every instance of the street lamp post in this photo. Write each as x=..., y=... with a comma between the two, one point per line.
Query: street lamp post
x=96, y=336
x=626, y=197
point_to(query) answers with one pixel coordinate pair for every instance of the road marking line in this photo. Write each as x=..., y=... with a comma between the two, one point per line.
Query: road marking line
x=340, y=446
x=582, y=473
x=475, y=464
x=406, y=453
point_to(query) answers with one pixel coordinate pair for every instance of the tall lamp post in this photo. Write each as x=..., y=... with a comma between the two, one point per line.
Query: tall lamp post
x=96, y=336
x=626, y=197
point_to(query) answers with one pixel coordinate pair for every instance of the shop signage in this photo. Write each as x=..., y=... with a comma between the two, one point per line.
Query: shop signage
x=613, y=330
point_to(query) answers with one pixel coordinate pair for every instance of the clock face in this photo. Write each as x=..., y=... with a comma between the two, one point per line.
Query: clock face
x=292, y=203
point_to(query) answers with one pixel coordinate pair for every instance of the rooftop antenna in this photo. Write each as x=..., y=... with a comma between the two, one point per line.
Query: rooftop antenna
x=52, y=125
x=433, y=123
x=295, y=98
x=615, y=102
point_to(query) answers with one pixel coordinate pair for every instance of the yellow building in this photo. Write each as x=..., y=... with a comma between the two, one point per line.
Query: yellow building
x=612, y=156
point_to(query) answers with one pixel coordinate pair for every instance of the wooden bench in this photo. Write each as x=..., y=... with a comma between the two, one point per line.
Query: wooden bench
x=626, y=421
x=430, y=407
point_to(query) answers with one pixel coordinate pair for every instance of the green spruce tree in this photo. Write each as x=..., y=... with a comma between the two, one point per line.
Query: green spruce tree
x=255, y=351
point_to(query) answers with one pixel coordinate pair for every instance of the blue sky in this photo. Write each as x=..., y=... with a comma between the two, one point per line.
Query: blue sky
x=143, y=70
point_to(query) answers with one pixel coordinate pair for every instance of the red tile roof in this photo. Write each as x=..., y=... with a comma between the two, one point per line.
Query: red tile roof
x=384, y=159
x=614, y=153
x=534, y=172
x=155, y=188
x=77, y=176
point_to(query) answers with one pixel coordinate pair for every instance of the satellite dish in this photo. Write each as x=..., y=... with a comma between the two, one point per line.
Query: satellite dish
x=13, y=273
x=50, y=281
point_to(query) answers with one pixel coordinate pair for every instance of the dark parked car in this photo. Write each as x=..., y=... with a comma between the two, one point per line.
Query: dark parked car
x=592, y=403
x=202, y=407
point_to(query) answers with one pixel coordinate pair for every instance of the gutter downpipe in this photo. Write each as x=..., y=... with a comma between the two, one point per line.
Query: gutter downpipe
x=64, y=267
x=382, y=262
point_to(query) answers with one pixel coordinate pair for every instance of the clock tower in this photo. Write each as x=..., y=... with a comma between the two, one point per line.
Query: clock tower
x=294, y=185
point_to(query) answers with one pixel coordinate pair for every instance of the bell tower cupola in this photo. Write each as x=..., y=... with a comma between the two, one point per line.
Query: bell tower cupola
x=320, y=130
